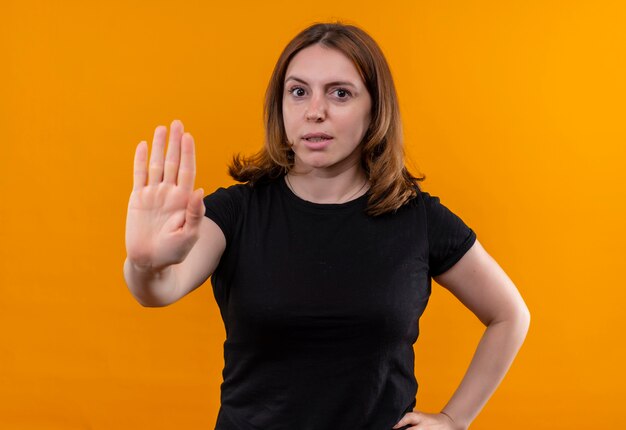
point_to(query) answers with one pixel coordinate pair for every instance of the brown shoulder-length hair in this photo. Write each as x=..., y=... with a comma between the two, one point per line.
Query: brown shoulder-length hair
x=391, y=184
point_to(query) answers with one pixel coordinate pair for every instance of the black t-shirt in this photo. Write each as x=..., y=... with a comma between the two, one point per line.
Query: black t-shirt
x=321, y=305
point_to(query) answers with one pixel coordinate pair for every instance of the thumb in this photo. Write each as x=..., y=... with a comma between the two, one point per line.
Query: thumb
x=195, y=209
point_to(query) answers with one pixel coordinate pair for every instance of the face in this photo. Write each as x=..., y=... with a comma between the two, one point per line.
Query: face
x=326, y=110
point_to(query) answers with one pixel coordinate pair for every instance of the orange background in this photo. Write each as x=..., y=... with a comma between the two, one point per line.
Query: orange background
x=513, y=110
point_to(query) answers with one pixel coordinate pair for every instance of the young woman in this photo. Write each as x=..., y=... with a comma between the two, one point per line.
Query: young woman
x=321, y=260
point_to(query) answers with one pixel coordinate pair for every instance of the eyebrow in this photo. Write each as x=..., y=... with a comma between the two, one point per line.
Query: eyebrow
x=344, y=83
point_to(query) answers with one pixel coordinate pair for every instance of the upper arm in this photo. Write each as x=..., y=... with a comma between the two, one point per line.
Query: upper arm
x=201, y=261
x=483, y=287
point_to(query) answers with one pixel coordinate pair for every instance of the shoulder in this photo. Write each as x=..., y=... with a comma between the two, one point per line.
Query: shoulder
x=422, y=200
x=235, y=191
x=225, y=205
x=229, y=207
x=425, y=198
x=431, y=204
x=239, y=196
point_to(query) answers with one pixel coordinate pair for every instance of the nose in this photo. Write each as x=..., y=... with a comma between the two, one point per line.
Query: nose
x=316, y=111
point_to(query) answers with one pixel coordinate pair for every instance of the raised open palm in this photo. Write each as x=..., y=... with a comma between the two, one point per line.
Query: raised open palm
x=164, y=211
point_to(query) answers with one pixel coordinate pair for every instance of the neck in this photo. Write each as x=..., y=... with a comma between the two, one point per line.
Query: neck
x=338, y=187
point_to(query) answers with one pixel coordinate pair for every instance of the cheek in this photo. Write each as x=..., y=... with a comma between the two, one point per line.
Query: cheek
x=290, y=110
x=355, y=123
x=287, y=121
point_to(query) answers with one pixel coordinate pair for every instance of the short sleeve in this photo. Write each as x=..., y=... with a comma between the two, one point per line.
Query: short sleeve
x=224, y=206
x=449, y=238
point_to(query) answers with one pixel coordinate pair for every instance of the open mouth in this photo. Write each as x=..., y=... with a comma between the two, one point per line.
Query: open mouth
x=317, y=139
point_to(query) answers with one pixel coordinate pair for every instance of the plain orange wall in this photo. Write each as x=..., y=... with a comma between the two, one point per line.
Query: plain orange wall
x=513, y=110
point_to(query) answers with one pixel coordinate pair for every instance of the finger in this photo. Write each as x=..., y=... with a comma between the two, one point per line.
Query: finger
x=140, y=171
x=187, y=169
x=410, y=418
x=156, y=157
x=403, y=422
x=172, y=158
x=195, y=209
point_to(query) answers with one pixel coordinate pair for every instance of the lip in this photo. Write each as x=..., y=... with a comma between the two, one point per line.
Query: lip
x=316, y=146
x=310, y=135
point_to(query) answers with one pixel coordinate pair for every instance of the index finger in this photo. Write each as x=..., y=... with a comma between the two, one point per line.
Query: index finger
x=140, y=171
x=187, y=169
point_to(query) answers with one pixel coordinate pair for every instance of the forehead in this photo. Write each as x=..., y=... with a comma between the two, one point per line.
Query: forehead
x=318, y=63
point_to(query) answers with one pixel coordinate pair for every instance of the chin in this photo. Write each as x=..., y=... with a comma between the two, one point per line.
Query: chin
x=316, y=161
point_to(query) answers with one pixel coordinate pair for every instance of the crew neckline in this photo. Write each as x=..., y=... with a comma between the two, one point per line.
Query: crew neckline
x=321, y=206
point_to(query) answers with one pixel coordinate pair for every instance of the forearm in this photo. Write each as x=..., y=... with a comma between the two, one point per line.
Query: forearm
x=493, y=357
x=150, y=288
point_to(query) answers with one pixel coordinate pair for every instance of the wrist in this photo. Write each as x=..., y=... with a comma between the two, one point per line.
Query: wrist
x=143, y=268
x=456, y=422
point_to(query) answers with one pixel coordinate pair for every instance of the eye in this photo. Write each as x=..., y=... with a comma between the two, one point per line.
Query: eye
x=342, y=93
x=297, y=91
